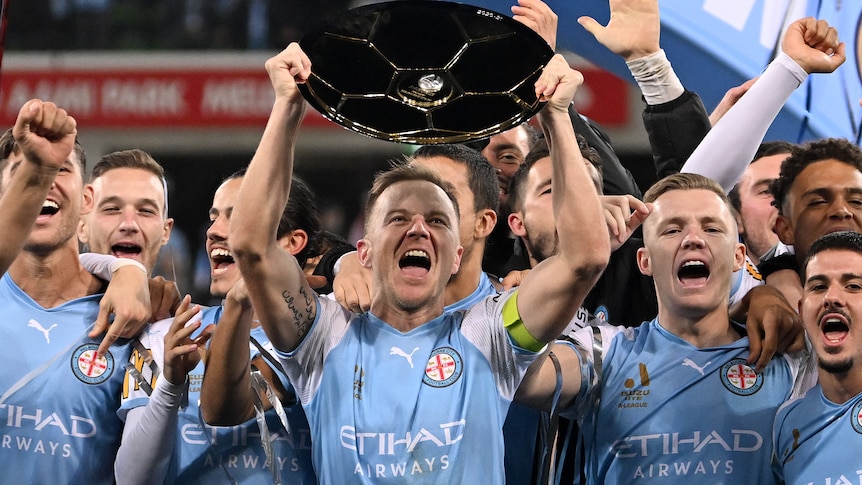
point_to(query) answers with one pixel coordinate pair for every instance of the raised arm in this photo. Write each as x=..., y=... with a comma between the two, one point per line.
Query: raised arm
x=552, y=292
x=809, y=46
x=283, y=301
x=45, y=134
x=675, y=119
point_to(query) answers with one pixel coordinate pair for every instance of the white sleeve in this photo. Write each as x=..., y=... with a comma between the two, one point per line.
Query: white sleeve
x=656, y=78
x=98, y=265
x=728, y=148
x=149, y=437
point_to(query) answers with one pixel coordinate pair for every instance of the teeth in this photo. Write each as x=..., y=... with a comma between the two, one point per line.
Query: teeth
x=51, y=204
x=834, y=320
x=693, y=263
x=416, y=253
x=220, y=252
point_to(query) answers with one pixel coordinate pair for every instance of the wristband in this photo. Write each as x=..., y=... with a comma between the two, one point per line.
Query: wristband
x=120, y=262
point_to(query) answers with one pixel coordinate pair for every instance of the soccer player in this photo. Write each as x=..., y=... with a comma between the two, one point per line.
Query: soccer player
x=817, y=438
x=638, y=393
x=168, y=410
x=427, y=390
x=59, y=385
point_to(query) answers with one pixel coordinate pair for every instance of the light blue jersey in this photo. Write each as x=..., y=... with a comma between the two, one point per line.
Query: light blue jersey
x=207, y=454
x=58, y=402
x=819, y=442
x=426, y=406
x=522, y=423
x=671, y=412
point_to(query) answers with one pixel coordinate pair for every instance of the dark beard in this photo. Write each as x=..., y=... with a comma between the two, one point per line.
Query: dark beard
x=839, y=367
x=542, y=248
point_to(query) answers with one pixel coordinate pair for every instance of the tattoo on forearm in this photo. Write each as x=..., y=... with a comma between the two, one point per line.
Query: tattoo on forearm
x=302, y=308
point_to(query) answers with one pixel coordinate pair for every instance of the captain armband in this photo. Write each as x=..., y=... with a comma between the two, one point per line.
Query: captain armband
x=515, y=326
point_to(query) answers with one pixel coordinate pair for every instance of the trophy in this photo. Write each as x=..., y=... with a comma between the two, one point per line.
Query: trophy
x=424, y=72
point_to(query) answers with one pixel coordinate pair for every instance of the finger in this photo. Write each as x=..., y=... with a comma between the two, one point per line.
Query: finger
x=768, y=346
x=29, y=114
x=205, y=335
x=754, y=343
x=591, y=25
x=101, y=323
x=111, y=336
x=316, y=281
x=611, y=222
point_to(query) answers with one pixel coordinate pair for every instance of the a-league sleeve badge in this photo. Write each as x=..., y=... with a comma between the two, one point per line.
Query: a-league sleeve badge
x=90, y=369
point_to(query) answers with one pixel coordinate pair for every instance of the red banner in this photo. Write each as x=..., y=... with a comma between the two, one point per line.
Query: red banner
x=202, y=98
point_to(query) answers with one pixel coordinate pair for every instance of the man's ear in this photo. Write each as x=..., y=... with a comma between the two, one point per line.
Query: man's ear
x=485, y=223
x=644, y=261
x=516, y=224
x=294, y=241
x=83, y=231
x=784, y=230
x=363, y=251
x=89, y=199
x=168, y=226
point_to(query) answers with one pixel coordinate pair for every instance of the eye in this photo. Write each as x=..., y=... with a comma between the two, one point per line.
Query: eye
x=670, y=231
x=816, y=287
x=148, y=211
x=110, y=209
x=509, y=158
x=438, y=221
x=816, y=202
x=713, y=230
x=854, y=287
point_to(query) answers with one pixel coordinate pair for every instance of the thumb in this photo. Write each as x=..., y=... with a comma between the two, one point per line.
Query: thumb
x=316, y=281
x=101, y=324
x=591, y=25
x=27, y=115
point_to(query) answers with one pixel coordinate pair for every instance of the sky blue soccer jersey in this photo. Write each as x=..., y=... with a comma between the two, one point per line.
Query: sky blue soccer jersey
x=818, y=441
x=58, y=401
x=207, y=454
x=425, y=406
x=669, y=412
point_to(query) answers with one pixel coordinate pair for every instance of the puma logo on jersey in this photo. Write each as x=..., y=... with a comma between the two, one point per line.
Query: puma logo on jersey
x=45, y=331
x=694, y=366
x=409, y=357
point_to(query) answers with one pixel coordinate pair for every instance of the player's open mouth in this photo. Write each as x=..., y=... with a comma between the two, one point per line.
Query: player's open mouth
x=221, y=260
x=415, y=262
x=693, y=273
x=126, y=250
x=834, y=328
x=49, y=208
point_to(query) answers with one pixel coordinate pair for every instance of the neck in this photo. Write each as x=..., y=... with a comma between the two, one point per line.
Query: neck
x=840, y=388
x=54, y=278
x=405, y=320
x=464, y=283
x=706, y=330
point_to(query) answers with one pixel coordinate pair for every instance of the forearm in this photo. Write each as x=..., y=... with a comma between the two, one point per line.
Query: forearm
x=227, y=397
x=261, y=200
x=20, y=204
x=656, y=78
x=149, y=437
x=729, y=147
x=575, y=200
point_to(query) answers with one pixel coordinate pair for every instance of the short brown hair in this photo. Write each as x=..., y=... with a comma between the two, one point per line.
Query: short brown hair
x=684, y=181
x=134, y=158
x=403, y=172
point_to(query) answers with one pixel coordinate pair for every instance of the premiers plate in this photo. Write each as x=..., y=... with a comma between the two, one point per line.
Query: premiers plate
x=424, y=72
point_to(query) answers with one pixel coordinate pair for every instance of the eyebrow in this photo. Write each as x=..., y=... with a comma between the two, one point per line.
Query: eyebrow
x=115, y=199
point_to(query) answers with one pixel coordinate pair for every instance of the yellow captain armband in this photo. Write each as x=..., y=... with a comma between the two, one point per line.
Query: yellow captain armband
x=515, y=326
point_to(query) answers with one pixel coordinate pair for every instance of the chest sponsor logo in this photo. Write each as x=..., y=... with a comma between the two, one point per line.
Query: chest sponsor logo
x=443, y=368
x=740, y=378
x=856, y=417
x=90, y=369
